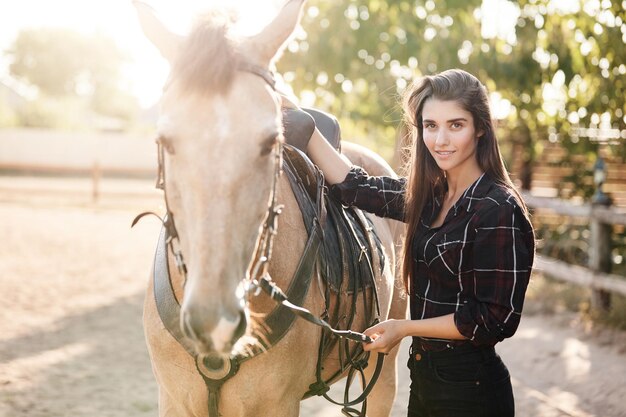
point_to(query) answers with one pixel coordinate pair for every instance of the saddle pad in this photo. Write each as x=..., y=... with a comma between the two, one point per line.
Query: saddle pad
x=346, y=256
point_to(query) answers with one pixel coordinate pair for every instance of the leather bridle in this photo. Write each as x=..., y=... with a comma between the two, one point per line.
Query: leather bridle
x=270, y=225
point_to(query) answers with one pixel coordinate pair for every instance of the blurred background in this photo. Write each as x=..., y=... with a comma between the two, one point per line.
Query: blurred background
x=79, y=86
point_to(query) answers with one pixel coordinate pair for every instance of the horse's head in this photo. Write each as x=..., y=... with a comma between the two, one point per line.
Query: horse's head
x=219, y=128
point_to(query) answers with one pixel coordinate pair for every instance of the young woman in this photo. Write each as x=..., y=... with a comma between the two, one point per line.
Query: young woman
x=468, y=252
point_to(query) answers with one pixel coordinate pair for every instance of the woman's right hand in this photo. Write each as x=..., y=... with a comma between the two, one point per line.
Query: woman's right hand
x=386, y=335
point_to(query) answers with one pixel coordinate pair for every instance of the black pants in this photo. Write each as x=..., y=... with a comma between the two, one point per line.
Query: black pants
x=463, y=382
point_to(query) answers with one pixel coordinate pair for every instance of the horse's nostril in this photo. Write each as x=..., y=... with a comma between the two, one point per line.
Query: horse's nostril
x=193, y=331
x=210, y=336
x=186, y=326
x=241, y=327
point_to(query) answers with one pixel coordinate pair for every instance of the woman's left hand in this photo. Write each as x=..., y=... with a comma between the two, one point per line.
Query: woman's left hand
x=386, y=335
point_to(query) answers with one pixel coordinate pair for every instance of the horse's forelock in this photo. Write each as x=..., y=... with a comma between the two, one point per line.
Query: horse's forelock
x=208, y=57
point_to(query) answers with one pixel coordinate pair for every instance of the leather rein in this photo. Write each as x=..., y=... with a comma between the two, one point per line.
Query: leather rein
x=259, y=278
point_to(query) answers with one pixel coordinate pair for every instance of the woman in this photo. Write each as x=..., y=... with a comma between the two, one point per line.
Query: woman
x=468, y=251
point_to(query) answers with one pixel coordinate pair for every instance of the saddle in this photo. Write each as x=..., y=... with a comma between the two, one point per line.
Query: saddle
x=298, y=126
x=350, y=254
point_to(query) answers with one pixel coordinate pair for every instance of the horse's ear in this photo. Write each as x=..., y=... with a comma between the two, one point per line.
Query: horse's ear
x=273, y=38
x=165, y=40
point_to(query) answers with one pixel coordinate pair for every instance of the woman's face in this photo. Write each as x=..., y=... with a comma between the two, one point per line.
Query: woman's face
x=449, y=134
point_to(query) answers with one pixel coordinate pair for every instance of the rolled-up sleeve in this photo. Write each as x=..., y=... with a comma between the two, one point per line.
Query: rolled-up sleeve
x=383, y=196
x=503, y=251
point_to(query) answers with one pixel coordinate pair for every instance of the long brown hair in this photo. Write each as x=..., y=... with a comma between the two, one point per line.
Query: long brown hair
x=425, y=179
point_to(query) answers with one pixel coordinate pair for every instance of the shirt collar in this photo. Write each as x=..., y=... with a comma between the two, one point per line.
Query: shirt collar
x=474, y=193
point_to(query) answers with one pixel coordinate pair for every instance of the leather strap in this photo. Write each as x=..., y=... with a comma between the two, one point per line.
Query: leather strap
x=361, y=398
x=279, y=320
x=167, y=306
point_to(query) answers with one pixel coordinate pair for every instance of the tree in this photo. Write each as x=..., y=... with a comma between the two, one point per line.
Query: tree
x=64, y=64
x=559, y=66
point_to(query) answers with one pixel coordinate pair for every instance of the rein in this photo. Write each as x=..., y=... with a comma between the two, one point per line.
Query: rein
x=216, y=372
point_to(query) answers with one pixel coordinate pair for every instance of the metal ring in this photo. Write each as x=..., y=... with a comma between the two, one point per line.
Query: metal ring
x=216, y=374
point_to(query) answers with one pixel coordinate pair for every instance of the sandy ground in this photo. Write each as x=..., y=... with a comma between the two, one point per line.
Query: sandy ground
x=72, y=277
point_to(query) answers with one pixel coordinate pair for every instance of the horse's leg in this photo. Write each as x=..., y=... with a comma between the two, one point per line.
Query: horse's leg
x=182, y=392
x=170, y=407
x=277, y=409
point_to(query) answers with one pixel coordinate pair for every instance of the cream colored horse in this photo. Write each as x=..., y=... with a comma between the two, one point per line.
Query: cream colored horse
x=219, y=127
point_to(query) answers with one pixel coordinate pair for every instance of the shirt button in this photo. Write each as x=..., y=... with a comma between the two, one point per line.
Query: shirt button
x=418, y=357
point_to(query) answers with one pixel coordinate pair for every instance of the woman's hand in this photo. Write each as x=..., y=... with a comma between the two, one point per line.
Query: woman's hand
x=386, y=335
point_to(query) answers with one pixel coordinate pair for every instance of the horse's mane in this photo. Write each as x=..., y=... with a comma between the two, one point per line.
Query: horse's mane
x=208, y=57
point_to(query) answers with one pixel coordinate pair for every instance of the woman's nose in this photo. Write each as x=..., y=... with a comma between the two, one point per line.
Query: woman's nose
x=442, y=137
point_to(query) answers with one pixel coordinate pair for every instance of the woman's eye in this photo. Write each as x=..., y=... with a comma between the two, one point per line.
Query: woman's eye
x=457, y=125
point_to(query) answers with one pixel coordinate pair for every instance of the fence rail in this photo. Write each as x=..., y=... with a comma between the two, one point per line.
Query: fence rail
x=596, y=276
x=580, y=275
x=605, y=215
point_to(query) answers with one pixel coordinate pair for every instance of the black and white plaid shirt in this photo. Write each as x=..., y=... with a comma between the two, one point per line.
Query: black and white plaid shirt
x=476, y=265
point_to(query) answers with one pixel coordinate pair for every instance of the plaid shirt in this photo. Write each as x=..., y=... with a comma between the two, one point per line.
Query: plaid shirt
x=476, y=265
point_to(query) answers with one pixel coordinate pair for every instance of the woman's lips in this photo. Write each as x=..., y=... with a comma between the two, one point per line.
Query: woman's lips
x=444, y=154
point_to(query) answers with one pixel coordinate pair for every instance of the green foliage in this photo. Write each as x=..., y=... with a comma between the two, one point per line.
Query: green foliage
x=66, y=65
x=563, y=68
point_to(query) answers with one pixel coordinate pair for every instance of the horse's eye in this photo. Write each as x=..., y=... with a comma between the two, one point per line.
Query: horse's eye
x=166, y=143
x=268, y=144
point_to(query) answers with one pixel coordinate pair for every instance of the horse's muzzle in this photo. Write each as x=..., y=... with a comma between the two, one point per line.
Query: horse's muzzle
x=209, y=336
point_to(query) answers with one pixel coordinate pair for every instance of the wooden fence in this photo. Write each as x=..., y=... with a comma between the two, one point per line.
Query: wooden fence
x=595, y=275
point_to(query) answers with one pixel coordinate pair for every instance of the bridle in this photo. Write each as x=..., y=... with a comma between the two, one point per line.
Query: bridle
x=265, y=240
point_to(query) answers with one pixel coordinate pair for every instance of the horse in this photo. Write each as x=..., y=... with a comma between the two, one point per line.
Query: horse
x=220, y=137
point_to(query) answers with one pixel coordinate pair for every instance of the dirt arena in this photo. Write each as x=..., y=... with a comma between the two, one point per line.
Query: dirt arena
x=72, y=277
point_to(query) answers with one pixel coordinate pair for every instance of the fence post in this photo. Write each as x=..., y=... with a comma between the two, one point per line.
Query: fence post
x=96, y=175
x=600, y=251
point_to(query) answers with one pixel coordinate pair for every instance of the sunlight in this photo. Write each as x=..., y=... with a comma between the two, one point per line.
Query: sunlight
x=498, y=19
x=577, y=360
x=26, y=370
x=146, y=72
x=150, y=71
x=251, y=15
